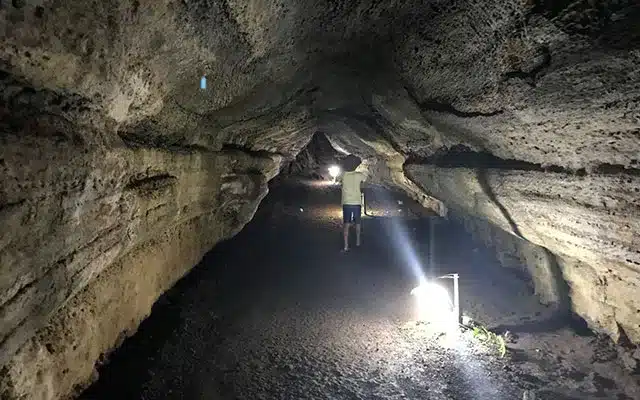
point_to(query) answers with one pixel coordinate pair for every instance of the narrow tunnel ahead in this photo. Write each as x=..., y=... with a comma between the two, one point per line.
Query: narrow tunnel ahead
x=279, y=313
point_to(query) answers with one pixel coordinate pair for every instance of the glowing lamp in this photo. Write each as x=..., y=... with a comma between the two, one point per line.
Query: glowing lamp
x=434, y=302
x=334, y=171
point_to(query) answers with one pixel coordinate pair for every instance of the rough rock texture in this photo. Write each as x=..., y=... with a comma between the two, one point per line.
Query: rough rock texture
x=107, y=142
x=523, y=256
x=589, y=218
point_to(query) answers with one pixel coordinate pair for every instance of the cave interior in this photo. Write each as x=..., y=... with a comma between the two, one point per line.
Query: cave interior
x=516, y=121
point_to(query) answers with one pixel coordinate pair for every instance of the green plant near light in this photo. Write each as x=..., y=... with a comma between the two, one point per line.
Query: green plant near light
x=484, y=335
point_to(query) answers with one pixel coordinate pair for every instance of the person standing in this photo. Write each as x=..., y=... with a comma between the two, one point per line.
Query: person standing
x=351, y=181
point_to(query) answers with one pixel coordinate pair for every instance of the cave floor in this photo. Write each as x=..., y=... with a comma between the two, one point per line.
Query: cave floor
x=278, y=312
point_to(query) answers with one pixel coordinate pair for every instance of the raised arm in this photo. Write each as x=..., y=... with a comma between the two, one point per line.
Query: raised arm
x=363, y=181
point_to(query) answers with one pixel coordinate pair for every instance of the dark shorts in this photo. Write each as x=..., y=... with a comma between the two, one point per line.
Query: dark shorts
x=351, y=213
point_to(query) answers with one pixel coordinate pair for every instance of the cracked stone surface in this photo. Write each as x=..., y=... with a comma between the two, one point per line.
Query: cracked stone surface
x=109, y=150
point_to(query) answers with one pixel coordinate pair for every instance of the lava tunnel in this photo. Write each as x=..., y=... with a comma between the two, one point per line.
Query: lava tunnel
x=170, y=227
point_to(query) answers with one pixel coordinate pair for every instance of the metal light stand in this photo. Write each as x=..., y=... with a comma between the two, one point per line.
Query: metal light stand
x=364, y=206
x=456, y=294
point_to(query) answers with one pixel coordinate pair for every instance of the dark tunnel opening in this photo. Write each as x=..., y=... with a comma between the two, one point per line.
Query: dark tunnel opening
x=314, y=160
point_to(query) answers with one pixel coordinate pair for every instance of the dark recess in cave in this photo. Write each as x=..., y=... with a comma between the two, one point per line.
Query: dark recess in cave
x=312, y=162
x=461, y=156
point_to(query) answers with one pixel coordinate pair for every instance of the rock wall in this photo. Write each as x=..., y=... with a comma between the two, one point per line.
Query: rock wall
x=117, y=173
x=60, y=360
x=588, y=222
x=603, y=296
x=137, y=217
x=532, y=261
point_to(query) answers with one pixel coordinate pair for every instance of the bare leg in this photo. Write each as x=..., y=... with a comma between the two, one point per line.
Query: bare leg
x=346, y=235
x=358, y=234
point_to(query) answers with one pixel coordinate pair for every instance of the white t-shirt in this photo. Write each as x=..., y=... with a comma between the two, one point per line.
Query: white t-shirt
x=351, y=194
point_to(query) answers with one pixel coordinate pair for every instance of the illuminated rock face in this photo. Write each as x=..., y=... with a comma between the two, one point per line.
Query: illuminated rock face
x=117, y=171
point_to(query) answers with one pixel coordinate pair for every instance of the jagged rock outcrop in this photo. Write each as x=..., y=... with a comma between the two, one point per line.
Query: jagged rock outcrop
x=117, y=172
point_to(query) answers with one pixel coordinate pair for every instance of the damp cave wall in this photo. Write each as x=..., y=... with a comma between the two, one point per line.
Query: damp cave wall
x=117, y=174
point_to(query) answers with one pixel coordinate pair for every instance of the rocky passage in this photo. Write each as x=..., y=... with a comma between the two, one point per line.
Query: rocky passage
x=518, y=119
x=286, y=315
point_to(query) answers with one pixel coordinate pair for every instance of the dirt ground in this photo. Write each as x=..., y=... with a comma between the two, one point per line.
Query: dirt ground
x=279, y=313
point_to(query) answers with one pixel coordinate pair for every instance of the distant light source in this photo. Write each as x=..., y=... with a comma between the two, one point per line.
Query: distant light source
x=334, y=171
x=203, y=83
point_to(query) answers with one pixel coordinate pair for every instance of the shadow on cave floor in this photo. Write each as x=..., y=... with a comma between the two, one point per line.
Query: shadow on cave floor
x=278, y=312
